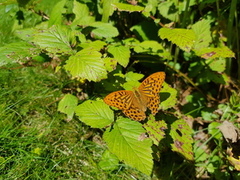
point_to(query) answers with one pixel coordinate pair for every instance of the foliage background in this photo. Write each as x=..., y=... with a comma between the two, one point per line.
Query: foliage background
x=67, y=55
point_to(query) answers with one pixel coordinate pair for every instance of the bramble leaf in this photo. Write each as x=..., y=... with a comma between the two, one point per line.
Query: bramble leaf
x=95, y=114
x=128, y=142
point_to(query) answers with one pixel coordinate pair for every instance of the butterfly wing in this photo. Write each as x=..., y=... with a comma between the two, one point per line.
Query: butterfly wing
x=135, y=113
x=127, y=102
x=150, y=89
x=119, y=99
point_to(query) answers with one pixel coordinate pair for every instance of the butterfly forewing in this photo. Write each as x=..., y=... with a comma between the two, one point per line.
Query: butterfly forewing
x=120, y=99
x=152, y=84
x=150, y=88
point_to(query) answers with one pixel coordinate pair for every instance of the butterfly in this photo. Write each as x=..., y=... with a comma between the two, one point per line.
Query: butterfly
x=134, y=103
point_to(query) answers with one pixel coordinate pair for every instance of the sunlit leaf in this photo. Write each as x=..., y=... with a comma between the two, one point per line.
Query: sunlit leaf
x=182, y=138
x=87, y=64
x=184, y=38
x=95, y=114
x=127, y=141
x=67, y=105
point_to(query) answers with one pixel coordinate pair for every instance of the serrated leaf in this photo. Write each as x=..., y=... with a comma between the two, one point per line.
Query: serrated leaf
x=181, y=134
x=155, y=130
x=67, y=105
x=104, y=30
x=82, y=14
x=184, y=38
x=168, y=96
x=97, y=45
x=87, y=64
x=212, y=53
x=169, y=10
x=220, y=78
x=218, y=64
x=203, y=34
x=128, y=7
x=56, y=13
x=95, y=114
x=153, y=48
x=110, y=64
x=121, y=54
x=55, y=39
x=17, y=52
x=109, y=161
x=126, y=141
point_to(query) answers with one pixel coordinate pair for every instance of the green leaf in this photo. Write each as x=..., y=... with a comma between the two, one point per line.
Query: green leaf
x=203, y=34
x=121, y=54
x=55, y=39
x=214, y=131
x=109, y=161
x=155, y=130
x=17, y=52
x=128, y=7
x=218, y=64
x=67, y=105
x=56, y=13
x=153, y=48
x=208, y=115
x=184, y=38
x=128, y=142
x=96, y=45
x=82, y=14
x=95, y=114
x=110, y=64
x=169, y=10
x=87, y=64
x=212, y=53
x=104, y=30
x=220, y=78
x=181, y=134
x=168, y=96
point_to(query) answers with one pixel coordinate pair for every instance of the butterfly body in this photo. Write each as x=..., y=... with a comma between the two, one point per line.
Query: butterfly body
x=135, y=103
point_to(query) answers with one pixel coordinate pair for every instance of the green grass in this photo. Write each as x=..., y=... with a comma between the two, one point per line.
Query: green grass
x=36, y=141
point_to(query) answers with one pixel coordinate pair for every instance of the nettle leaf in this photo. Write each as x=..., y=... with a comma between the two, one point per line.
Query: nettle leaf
x=121, y=54
x=104, y=30
x=128, y=142
x=155, y=130
x=128, y=7
x=17, y=52
x=203, y=34
x=82, y=14
x=209, y=75
x=153, y=48
x=181, y=134
x=95, y=114
x=109, y=161
x=55, y=39
x=67, y=105
x=212, y=53
x=168, y=96
x=87, y=64
x=184, y=38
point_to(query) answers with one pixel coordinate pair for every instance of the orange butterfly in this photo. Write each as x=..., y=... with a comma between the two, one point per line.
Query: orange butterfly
x=134, y=103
